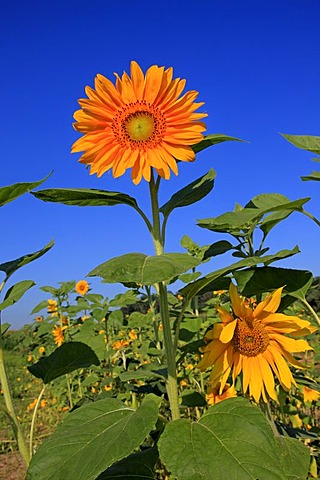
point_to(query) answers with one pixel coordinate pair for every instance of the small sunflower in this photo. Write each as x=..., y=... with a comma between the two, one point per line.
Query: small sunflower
x=58, y=335
x=140, y=122
x=254, y=342
x=52, y=306
x=82, y=287
x=118, y=344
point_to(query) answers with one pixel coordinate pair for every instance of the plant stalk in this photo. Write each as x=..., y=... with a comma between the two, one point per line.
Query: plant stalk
x=157, y=236
x=10, y=408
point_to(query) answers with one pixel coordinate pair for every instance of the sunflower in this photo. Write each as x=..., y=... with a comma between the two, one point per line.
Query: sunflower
x=52, y=306
x=254, y=342
x=58, y=335
x=82, y=287
x=140, y=122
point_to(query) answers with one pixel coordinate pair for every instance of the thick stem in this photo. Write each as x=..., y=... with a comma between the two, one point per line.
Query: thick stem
x=172, y=385
x=157, y=236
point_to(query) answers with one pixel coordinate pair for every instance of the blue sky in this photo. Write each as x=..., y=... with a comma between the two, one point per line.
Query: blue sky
x=257, y=68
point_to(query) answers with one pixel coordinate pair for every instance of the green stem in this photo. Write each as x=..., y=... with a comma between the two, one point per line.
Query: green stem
x=311, y=217
x=172, y=384
x=69, y=391
x=10, y=408
x=311, y=310
x=157, y=236
x=34, y=419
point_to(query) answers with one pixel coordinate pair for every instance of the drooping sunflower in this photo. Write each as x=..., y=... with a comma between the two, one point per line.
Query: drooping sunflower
x=140, y=122
x=254, y=342
x=82, y=287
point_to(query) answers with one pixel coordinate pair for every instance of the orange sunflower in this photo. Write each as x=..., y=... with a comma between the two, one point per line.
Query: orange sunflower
x=140, y=122
x=254, y=342
x=82, y=287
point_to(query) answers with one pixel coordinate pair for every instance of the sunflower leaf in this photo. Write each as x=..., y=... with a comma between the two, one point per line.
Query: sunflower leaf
x=213, y=139
x=15, y=292
x=10, y=267
x=136, y=466
x=101, y=433
x=84, y=197
x=314, y=176
x=233, y=439
x=11, y=192
x=144, y=269
x=256, y=280
x=294, y=458
x=204, y=283
x=310, y=143
x=190, y=194
x=65, y=359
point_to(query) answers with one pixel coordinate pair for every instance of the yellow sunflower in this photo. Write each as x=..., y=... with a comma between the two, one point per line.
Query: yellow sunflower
x=58, y=335
x=254, y=342
x=82, y=287
x=52, y=306
x=140, y=122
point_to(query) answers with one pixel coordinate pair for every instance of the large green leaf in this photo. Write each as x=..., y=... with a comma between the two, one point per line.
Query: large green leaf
x=310, y=143
x=91, y=439
x=83, y=197
x=15, y=292
x=294, y=458
x=144, y=269
x=233, y=440
x=213, y=139
x=266, y=279
x=189, y=291
x=192, y=193
x=65, y=359
x=137, y=466
x=10, y=192
x=10, y=267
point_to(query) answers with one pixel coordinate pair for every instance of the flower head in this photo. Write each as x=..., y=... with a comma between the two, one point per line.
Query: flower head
x=310, y=395
x=133, y=335
x=254, y=342
x=42, y=350
x=140, y=122
x=58, y=335
x=52, y=306
x=82, y=287
x=118, y=344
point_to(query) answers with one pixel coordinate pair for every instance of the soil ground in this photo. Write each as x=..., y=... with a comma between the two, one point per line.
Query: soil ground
x=12, y=466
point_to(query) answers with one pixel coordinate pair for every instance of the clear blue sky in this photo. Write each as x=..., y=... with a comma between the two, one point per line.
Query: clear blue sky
x=257, y=68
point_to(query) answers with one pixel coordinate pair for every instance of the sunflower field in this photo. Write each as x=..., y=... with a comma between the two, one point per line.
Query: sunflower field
x=216, y=379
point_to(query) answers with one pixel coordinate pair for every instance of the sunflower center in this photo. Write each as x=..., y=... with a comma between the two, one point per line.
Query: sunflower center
x=250, y=339
x=139, y=126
